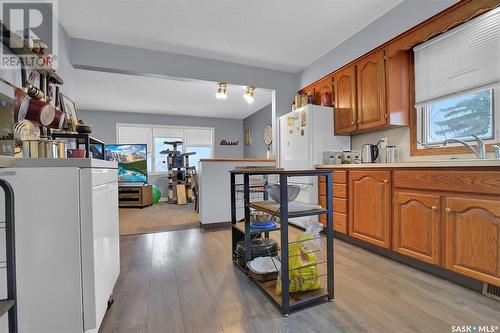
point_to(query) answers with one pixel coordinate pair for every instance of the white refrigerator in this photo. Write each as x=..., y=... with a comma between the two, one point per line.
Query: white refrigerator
x=304, y=135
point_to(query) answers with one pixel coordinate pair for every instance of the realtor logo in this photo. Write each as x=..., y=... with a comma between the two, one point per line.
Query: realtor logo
x=33, y=33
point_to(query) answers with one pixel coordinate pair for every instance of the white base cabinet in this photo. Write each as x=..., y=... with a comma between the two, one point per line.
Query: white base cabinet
x=67, y=246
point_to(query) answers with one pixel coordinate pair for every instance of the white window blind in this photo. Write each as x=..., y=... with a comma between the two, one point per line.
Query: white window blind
x=135, y=135
x=464, y=58
x=168, y=133
x=198, y=138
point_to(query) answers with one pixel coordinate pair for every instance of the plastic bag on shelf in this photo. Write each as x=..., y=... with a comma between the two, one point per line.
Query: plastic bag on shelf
x=302, y=264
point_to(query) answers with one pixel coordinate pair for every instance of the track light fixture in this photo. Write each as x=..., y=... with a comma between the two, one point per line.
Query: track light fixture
x=222, y=91
x=248, y=95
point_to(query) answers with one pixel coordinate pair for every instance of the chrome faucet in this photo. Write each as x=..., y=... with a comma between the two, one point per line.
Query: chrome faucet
x=480, y=152
x=496, y=148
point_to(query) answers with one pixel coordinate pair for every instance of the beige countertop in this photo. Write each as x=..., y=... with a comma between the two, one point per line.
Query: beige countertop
x=236, y=159
x=460, y=163
x=63, y=163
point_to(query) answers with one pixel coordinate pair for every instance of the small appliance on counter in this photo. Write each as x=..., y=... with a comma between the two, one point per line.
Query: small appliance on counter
x=369, y=153
x=391, y=155
x=332, y=157
x=350, y=157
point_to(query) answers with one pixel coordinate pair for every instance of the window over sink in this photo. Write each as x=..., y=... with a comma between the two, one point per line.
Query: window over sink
x=457, y=83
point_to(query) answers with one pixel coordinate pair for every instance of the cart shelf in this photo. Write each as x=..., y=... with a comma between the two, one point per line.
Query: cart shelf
x=240, y=226
x=283, y=211
x=295, y=208
x=5, y=306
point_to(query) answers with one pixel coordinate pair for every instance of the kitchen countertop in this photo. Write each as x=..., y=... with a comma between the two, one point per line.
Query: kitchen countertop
x=236, y=159
x=418, y=164
x=63, y=163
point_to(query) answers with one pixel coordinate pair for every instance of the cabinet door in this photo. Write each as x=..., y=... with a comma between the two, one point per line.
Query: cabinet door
x=416, y=224
x=344, y=83
x=473, y=237
x=322, y=87
x=370, y=206
x=370, y=77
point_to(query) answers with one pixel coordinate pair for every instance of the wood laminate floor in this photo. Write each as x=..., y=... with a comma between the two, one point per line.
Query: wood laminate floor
x=159, y=217
x=184, y=281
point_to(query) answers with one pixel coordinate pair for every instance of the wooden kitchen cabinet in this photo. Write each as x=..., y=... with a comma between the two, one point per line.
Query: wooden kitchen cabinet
x=321, y=87
x=416, y=226
x=370, y=206
x=473, y=237
x=345, y=111
x=340, y=206
x=370, y=78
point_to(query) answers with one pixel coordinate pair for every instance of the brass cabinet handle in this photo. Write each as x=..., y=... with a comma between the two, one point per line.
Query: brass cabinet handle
x=353, y=122
x=448, y=210
x=386, y=181
x=434, y=208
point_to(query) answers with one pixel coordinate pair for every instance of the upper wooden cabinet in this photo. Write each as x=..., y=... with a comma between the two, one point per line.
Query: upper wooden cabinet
x=322, y=87
x=370, y=77
x=345, y=101
x=416, y=226
x=372, y=93
x=473, y=237
x=370, y=207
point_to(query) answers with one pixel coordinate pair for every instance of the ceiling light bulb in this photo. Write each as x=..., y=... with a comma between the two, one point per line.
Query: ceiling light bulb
x=249, y=94
x=222, y=91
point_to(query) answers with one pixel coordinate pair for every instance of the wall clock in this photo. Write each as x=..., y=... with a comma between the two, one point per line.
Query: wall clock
x=268, y=134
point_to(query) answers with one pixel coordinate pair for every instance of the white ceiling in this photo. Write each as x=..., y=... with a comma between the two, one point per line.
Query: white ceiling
x=104, y=91
x=285, y=35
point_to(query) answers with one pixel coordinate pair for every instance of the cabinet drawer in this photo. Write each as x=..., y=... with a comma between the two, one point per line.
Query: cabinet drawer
x=322, y=201
x=340, y=190
x=104, y=176
x=486, y=182
x=340, y=177
x=340, y=205
x=322, y=188
x=340, y=222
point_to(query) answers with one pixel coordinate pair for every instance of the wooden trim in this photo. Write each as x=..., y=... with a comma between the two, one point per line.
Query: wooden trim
x=443, y=21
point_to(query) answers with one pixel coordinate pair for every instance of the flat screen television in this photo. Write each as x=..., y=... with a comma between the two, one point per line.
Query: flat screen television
x=132, y=161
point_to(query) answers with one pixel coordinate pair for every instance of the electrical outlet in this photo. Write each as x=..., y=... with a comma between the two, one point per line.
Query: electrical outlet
x=383, y=143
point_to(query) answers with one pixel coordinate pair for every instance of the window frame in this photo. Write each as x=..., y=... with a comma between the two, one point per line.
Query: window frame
x=422, y=121
x=154, y=172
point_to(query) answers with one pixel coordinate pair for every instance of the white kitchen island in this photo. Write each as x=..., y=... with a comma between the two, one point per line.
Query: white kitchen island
x=215, y=192
x=67, y=242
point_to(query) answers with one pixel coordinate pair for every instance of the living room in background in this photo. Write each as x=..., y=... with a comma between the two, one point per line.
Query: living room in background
x=194, y=139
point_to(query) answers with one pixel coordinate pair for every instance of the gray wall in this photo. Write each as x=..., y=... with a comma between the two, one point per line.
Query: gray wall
x=105, y=127
x=256, y=123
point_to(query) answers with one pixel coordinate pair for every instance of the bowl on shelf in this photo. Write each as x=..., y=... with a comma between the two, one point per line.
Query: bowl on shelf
x=76, y=153
x=274, y=192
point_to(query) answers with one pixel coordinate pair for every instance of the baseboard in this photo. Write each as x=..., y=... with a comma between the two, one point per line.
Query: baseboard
x=438, y=271
x=216, y=226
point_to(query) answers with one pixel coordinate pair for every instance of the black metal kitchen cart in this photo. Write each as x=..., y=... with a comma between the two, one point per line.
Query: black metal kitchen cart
x=283, y=211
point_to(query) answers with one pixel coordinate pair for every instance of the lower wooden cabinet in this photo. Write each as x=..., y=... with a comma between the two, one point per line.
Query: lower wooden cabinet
x=473, y=237
x=416, y=226
x=370, y=206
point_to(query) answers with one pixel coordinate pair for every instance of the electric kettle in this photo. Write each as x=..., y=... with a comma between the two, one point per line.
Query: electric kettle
x=369, y=153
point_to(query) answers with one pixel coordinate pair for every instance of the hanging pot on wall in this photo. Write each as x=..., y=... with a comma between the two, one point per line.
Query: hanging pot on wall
x=40, y=112
x=21, y=103
x=58, y=121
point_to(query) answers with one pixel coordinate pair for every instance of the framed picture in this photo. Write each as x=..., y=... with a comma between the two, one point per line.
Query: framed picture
x=248, y=137
x=69, y=108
